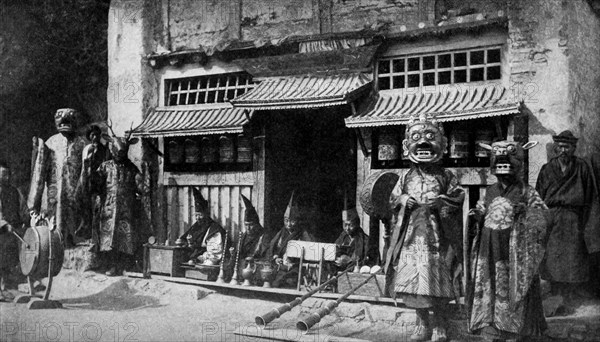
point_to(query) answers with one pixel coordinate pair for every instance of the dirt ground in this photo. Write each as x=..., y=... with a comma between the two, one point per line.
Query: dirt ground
x=98, y=308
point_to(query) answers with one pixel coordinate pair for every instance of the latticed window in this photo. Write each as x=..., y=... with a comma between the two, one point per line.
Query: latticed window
x=449, y=67
x=206, y=89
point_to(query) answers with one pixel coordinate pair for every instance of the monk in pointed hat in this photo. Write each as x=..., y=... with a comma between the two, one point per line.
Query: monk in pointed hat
x=205, y=236
x=294, y=229
x=253, y=242
x=353, y=242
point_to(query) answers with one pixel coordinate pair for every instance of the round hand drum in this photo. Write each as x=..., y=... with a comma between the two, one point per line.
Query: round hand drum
x=34, y=254
x=41, y=255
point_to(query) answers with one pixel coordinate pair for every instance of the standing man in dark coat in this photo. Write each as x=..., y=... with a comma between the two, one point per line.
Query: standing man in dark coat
x=205, y=236
x=12, y=214
x=565, y=184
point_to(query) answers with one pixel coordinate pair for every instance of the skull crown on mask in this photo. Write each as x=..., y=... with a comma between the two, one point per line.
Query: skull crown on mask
x=507, y=157
x=424, y=141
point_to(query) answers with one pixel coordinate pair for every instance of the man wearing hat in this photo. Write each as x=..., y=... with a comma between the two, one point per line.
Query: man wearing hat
x=253, y=241
x=353, y=242
x=294, y=229
x=94, y=154
x=565, y=184
x=205, y=236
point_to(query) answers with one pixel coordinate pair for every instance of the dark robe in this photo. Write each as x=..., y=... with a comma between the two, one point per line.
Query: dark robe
x=286, y=273
x=90, y=202
x=280, y=241
x=201, y=232
x=568, y=196
x=506, y=301
x=11, y=212
x=253, y=245
x=355, y=246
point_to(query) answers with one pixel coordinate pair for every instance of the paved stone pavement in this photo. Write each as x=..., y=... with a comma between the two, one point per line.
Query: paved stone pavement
x=98, y=308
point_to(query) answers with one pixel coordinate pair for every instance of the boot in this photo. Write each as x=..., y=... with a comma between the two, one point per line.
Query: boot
x=421, y=332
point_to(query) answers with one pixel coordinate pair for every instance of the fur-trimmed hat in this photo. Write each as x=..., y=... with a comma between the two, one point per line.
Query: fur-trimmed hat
x=565, y=137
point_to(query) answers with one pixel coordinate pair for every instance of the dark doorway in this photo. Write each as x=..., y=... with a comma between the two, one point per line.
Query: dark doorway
x=313, y=153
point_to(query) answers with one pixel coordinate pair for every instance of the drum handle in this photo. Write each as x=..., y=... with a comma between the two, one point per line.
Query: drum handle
x=50, y=259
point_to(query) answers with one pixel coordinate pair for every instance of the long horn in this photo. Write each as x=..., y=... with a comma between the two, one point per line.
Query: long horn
x=109, y=124
x=270, y=316
x=305, y=324
x=130, y=132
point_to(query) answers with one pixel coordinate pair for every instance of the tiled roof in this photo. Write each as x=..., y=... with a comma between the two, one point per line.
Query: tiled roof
x=451, y=103
x=308, y=91
x=193, y=120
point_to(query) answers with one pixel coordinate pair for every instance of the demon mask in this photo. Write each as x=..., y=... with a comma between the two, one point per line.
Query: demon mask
x=507, y=157
x=424, y=141
x=119, y=146
x=65, y=120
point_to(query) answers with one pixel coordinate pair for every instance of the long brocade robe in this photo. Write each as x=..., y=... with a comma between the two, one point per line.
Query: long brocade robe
x=506, y=256
x=56, y=173
x=422, y=260
x=568, y=197
x=120, y=227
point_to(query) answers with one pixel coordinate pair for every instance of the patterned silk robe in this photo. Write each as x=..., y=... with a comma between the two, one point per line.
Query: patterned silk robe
x=425, y=244
x=56, y=174
x=506, y=257
x=121, y=215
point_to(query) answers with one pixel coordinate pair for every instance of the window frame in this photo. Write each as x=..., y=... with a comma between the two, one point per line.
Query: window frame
x=436, y=70
x=205, y=85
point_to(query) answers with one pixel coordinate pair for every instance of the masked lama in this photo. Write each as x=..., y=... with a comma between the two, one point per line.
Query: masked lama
x=353, y=243
x=422, y=262
x=205, y=237
x=507, y=251
x=55, y=176
x=294, y=229
x=120, y=183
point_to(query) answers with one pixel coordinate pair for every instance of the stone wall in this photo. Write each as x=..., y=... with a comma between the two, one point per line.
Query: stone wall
x=540, y=71
x=583, y=35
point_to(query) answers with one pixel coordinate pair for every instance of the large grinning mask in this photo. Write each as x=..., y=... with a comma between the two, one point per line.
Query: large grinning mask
x=507, y=157
x=424, y=141
x=65, y=120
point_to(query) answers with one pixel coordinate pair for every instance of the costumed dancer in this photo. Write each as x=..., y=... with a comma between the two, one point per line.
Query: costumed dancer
x=56, y=171
x=507, y=251
x=423, y=260
x=120, y=183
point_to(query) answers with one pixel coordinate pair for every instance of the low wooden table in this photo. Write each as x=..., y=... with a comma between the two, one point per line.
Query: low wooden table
x=165, y=260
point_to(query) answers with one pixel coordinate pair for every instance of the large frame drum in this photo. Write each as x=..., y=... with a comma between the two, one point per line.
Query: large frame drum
x=34, y=254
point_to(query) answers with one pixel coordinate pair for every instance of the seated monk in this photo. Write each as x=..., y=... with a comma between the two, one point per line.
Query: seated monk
x=294, y=229
x=205, y=237
x=353, y=243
